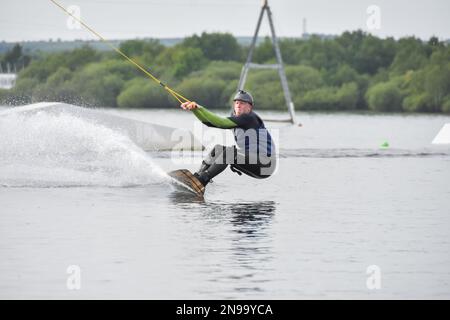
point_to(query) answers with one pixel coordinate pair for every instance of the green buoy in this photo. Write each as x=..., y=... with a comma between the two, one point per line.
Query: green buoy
x=385, y=145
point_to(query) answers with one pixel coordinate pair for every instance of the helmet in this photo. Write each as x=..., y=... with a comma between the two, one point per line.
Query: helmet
x=241, y=95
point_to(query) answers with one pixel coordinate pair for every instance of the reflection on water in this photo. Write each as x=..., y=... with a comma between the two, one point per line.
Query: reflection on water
x=247, y=218
x=250, y=219
x=244, y=245
x=251, y=246
x=185, y=199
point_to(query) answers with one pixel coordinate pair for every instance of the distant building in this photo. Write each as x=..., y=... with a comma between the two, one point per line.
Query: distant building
x=7, y=80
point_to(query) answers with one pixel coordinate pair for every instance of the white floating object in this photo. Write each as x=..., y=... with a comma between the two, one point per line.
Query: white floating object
x=148, y=136
x=443, y=137
x=7, y=80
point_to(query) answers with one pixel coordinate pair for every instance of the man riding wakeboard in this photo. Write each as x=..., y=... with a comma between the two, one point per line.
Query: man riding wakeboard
x=254, y=152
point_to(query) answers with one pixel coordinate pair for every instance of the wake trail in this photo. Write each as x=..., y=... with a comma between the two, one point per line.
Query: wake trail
x=62, y=150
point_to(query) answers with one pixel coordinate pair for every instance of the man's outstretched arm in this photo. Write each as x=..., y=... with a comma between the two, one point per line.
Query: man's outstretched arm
x=209, y=118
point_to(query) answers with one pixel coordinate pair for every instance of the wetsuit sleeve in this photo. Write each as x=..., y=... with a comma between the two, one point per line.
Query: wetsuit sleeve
x=212, y=120
x=245, y=121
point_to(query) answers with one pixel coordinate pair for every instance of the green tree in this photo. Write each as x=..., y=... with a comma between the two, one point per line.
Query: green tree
x=343, y=74
x=100, y=83
x=374, y=54
x=179, y=61
x=428, y=87
x=132, y=47
x=385, y=96
x=47, y=64
x=141, y=93
x=324, y=98
x=264, y=52
x=266, y=89
x=220, y=70
x=347, y=96
x=187, y=61
x=446, y=105
x=289, y=50
x=57, y=88
x=15, y=57
x=207, y=93
x=437, y=85
x=320, y=53
x=411, y=55
x=416, y=102
x=79, y=57
x=215, y=46
x=355, y=70
x=300, y=78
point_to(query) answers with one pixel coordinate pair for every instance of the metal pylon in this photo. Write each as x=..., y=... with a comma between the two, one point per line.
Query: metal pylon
x=279, y=66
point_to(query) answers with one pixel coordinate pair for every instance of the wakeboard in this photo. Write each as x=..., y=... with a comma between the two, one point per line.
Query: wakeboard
x=184, y=180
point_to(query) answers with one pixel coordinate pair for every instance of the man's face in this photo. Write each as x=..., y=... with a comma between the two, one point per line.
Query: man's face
x=241, y=107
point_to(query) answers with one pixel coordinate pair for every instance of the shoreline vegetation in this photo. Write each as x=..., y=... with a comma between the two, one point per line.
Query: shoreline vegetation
x=354, y=71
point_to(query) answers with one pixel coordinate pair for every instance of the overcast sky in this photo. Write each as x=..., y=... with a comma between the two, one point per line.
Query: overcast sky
x=121, y=19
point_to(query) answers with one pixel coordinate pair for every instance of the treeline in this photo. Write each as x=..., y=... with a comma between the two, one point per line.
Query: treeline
x=14, y=60
x=354, y=71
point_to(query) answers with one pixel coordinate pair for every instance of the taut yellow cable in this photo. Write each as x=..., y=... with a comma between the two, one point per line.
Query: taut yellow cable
x=175, y=94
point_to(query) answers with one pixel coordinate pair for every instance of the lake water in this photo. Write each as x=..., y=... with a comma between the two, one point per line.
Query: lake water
x=73, y=193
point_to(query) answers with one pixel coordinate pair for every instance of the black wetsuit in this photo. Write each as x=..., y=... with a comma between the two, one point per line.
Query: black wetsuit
x=254, y=154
